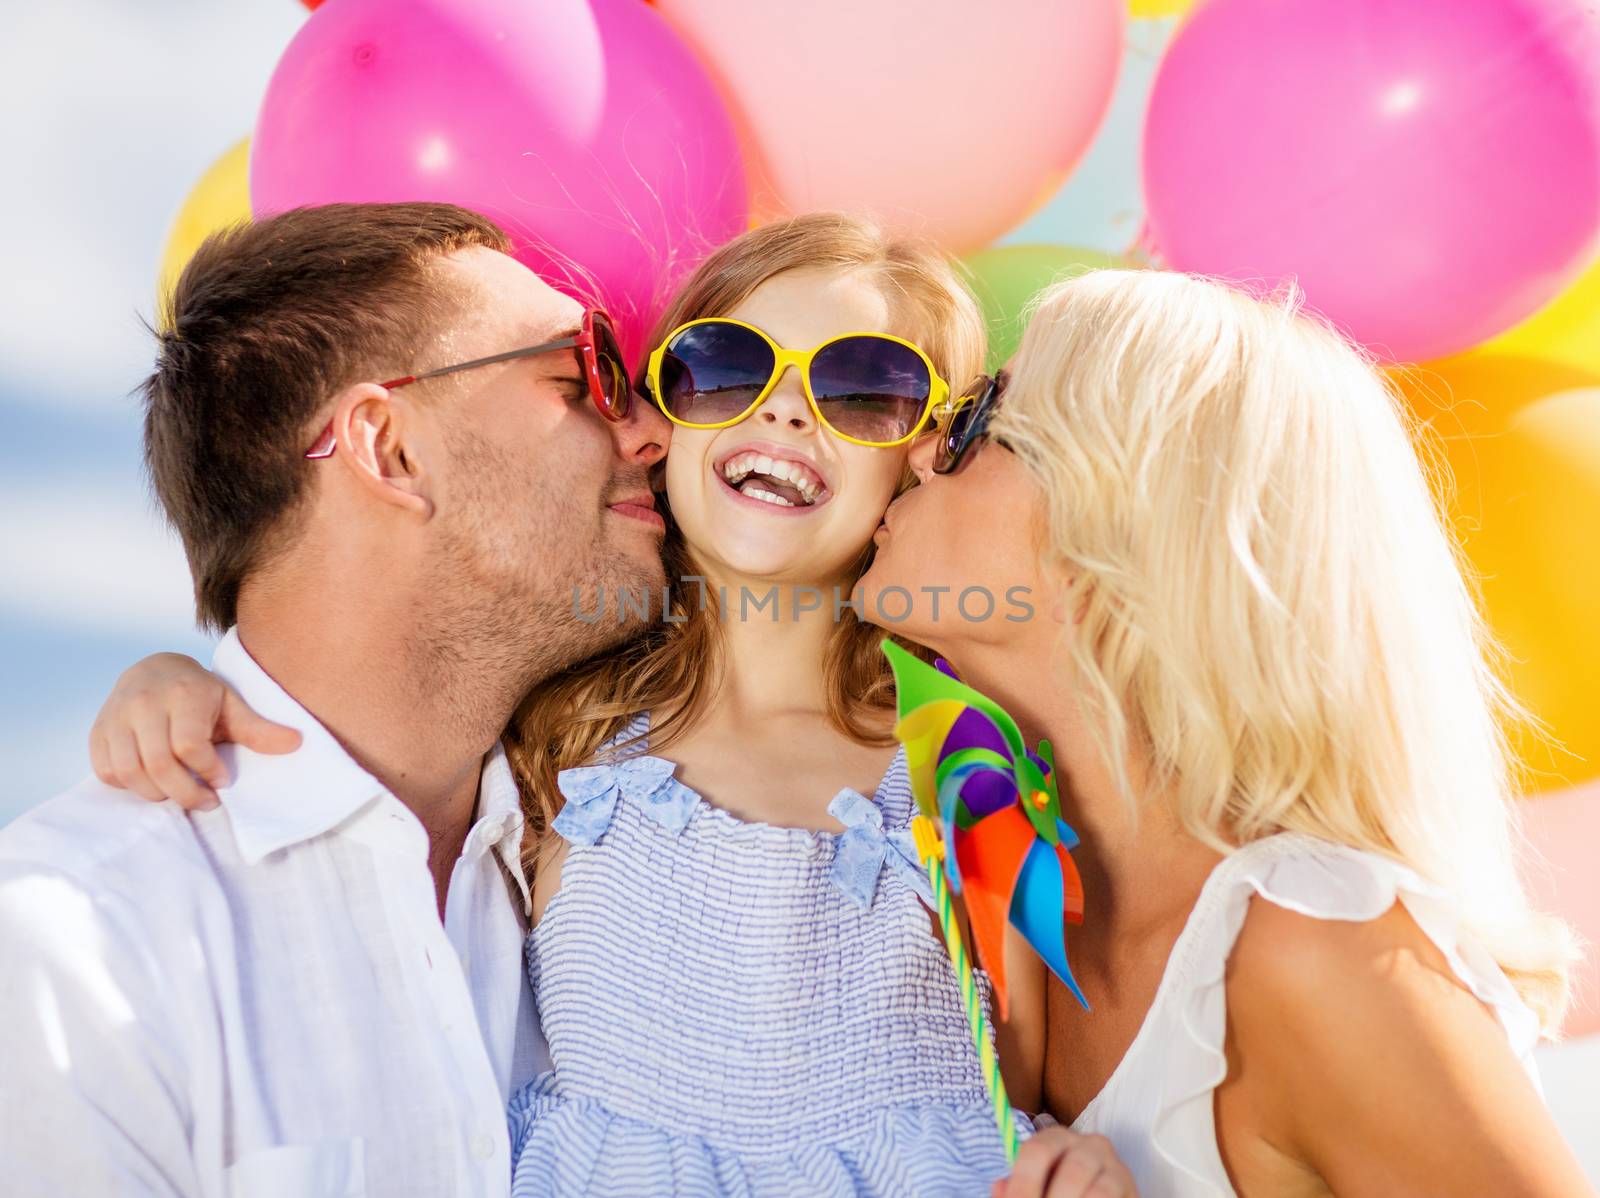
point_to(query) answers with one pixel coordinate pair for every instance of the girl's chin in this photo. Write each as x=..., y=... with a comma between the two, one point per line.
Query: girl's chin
x=758, y=573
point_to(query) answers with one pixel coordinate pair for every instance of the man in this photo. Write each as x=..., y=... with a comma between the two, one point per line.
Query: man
x=316, y=987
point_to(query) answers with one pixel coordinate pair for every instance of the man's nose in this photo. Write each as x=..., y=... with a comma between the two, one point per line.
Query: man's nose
x=643, y=438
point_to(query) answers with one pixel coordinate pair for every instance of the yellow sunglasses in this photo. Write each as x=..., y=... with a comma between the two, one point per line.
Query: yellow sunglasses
x=866, y=388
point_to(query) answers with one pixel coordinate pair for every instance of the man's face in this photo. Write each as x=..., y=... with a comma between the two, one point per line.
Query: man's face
x=536, y=495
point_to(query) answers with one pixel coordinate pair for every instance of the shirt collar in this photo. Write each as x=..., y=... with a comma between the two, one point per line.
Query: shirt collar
x=275, y=801
x=500, y=820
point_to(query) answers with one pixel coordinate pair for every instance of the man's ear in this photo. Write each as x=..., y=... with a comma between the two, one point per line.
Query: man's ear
x=376, y=433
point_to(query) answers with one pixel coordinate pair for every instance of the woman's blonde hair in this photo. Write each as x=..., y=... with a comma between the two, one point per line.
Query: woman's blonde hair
x=1271, y=611
x=675, y=665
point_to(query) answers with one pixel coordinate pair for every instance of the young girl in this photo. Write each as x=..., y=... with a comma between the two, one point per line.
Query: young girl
x=1311, y=966
x=735, y=970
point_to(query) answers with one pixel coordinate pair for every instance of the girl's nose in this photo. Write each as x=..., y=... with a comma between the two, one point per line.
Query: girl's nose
x=786, y=405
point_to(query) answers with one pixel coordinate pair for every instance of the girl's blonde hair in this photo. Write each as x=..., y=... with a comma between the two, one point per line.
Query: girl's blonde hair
x=1271, y=611
x=675, y=665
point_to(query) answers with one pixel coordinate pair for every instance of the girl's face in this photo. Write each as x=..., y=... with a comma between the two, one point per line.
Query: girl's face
x=721, y=483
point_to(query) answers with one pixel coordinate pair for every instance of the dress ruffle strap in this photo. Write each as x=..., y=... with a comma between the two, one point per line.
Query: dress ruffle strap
x=592, y=791
x=863, y=850
x=1180, y=1052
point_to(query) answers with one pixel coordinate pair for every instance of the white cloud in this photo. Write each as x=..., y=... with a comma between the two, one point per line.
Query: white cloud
x=113, y=110
x=81, y=557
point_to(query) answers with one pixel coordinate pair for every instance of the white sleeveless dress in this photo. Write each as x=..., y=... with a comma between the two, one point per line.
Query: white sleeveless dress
x=1157, y=1109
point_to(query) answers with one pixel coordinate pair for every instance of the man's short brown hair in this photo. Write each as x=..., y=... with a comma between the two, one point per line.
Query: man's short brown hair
x=267, y=321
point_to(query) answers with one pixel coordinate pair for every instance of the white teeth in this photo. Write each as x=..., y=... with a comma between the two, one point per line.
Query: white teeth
x=741, y=466
x=765, y=496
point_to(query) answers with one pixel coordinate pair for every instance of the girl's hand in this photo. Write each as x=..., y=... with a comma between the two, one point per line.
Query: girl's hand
x=1057, y=1163
x=157, y=733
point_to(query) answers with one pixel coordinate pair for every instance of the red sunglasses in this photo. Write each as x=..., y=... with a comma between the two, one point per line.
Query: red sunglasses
x=599, y=354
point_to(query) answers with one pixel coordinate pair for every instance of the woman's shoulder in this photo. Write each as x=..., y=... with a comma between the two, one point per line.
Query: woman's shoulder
x=1350, y=1017
x=1304, y=963
x=1329, y=936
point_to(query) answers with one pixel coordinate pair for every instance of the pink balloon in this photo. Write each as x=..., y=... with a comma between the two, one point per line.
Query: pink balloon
x=1429, y=169
x=943, y=117
x=585, y=127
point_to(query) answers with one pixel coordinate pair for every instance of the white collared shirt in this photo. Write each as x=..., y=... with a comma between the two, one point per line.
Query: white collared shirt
x=261, y=999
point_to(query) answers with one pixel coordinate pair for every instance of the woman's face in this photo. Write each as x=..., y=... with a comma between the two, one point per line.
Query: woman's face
x=958, y=554
x=722, y=483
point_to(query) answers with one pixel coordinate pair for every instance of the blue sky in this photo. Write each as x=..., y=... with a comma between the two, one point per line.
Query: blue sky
x=111, y=110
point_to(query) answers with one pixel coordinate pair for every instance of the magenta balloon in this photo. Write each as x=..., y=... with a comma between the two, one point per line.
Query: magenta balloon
x=1428, y=169
x=585, y=127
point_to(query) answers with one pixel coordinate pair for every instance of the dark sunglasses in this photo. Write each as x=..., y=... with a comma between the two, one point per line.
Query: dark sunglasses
x=968, y=422
x=599, y=356
x=867, y=388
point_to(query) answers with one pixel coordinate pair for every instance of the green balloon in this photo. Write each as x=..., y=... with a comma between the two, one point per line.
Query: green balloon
x=1006, y=277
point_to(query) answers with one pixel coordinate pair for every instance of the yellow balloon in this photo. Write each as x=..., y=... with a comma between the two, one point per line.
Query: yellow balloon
x=1143, y=9
x=1527, y=507
x=219, y=199
x=1565, y=330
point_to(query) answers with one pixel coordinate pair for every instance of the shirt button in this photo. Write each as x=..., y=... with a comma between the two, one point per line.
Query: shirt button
x=482, y=1146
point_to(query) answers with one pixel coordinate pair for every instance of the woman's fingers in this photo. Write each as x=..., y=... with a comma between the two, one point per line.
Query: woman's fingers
x=1075, y=1172
x=1057, y=1163
x=1036, y=1159
x=1116, y=1181
x=241, y=725
x=1091, y=1169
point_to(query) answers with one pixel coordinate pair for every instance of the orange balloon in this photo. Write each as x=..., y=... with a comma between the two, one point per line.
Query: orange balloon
x=1477, y=393
x=1517, y=446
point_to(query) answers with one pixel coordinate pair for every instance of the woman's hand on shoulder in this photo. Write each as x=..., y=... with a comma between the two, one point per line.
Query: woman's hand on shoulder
x=158, y=731
x=1356, y=1053
x=1058, y=1163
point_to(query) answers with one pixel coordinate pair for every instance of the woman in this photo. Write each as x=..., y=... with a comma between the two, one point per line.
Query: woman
x=1309, y=963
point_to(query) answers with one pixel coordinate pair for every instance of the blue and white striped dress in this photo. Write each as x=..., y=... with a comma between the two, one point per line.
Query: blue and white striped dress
x=735, y=1008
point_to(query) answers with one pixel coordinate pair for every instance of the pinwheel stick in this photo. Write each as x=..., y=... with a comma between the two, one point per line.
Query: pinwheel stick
x=931, y=849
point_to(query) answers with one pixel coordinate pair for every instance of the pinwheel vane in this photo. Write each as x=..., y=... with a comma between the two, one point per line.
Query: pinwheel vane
x=1004, y=844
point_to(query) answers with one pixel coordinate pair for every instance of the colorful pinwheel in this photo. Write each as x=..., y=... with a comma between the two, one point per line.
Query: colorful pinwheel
x=1006, y=848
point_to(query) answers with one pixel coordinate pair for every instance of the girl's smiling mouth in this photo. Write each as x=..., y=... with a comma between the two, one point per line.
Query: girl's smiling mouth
x=777, y=478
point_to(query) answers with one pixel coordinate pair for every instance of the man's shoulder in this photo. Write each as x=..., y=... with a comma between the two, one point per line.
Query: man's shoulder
x=104, y=840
